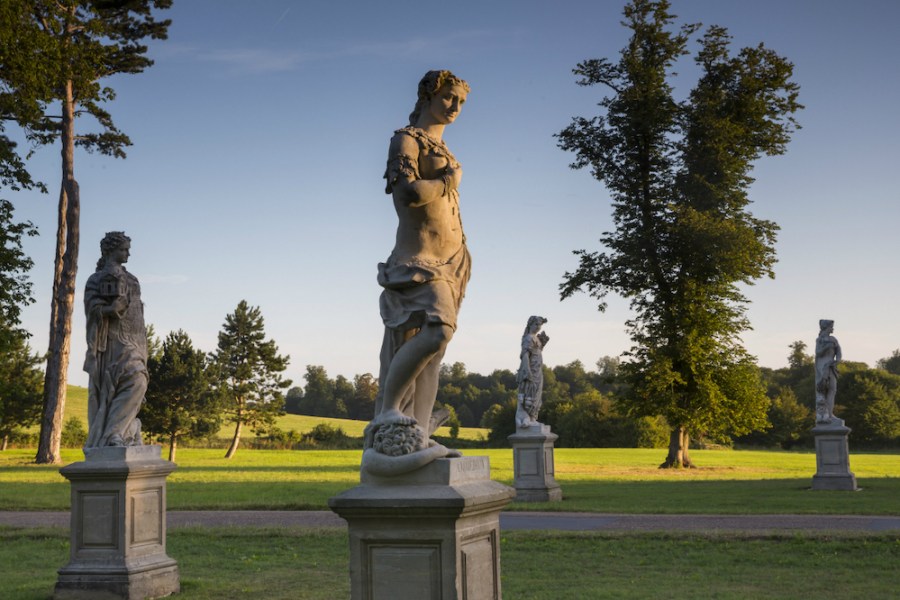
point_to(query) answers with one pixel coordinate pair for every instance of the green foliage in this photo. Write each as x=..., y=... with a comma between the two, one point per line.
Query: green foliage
x=74, y=434
x=181, y=400
x=325, y=434
x=678, y=174
x=891, y=364
x=15, y=288
x=21, y=386
x=52, y=46
x=248, y=372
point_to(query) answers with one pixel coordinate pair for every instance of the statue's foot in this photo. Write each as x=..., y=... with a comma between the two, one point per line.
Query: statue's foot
x=392, y=416
x=116, y=440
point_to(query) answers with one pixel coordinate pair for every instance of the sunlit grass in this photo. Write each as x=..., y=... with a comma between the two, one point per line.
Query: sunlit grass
x=593, y=480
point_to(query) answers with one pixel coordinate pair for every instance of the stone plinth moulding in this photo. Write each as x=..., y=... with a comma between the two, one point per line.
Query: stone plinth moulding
x=833, y=457
x=432, y=534
x=118, y=526
x=533, y=461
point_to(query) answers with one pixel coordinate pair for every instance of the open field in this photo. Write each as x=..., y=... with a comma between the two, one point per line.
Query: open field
x=76, y=406
x=312, y=565
x=593, y=480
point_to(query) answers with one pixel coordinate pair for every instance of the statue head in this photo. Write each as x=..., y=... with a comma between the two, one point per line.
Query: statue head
x=826, y=325
x=430, y=84
x=399, y=439
x=111, y=242
x=536, y=322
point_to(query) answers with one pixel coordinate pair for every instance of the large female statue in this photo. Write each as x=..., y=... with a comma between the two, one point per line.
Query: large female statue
x=531, y=375
x=425, y=277
x=828, y=354
x=116, y=360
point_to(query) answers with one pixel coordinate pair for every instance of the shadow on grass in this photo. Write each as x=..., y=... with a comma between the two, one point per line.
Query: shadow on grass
x=757, y=496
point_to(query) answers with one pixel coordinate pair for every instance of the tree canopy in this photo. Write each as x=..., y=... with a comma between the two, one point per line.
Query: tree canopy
x=181, y=400
x=684, y=241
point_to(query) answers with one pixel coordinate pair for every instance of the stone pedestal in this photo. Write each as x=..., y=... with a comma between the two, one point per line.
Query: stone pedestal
x=433, y=534
x=118, y=530
x=833, y=457
x=533, y=460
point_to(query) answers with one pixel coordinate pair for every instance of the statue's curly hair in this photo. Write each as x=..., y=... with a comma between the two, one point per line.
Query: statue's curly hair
x=111, y=241
x=428, y=87
x=398, y=439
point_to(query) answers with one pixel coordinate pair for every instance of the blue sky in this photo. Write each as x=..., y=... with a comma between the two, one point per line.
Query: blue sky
x=260, y=137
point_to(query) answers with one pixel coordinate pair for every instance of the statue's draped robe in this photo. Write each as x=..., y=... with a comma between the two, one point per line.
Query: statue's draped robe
x=116, y=361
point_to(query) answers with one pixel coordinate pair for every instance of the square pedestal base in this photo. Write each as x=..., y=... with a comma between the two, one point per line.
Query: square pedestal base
x=118, y=527
x=533, y=461
x=833, y=458
x=433, y=534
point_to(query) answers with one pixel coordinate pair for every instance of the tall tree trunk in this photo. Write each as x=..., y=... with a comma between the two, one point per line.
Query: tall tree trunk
x=679, y=454
x=173, y=444
x=63, y=302
x=235, y=440
x=4, y=443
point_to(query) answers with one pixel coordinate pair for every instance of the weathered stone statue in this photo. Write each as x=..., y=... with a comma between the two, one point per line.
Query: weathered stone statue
x=828, y=354
x=424, y=280
x=116, y=359
x=530, y=377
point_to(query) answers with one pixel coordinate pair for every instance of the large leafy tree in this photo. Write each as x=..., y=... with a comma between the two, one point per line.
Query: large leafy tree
x=249, y=372
x=55, y=54
x=21, y=381
x=684, y=241
x=181, y=400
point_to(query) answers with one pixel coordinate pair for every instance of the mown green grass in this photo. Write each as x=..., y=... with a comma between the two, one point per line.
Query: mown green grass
x=593, y=480
x=300, y=564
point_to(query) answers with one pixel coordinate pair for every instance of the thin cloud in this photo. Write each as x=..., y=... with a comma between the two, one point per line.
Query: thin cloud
x=250, y=61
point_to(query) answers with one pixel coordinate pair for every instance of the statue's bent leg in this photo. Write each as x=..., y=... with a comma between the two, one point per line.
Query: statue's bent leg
x=409, y=361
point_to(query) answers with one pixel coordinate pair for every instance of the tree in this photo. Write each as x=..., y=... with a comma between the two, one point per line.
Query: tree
x=57, y=51
x=891, y=364
x=249, y=373
x=798, y=359
x=181, y=400
x=21, y=381
x=15, y=288
x=684, y=241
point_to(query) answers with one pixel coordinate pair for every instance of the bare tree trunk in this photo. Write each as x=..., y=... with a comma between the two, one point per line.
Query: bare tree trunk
x=4, y=443
x=679, y=453
x=173, y=445
x=235, y=440
x=63, y=302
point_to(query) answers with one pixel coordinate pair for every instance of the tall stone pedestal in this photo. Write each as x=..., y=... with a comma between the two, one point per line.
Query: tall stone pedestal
x=118, y=537
x=433, y=534
x=533, y=460
x=833, y=457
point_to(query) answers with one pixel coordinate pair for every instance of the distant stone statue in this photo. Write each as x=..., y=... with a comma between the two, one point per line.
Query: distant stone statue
x=424, y=279
x=530, y=377
x=116, y=360
x=828, y=354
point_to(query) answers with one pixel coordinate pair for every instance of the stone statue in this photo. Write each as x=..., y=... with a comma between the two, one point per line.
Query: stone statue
x=116, y=359
x=828, y=354
x=531, y=376
x=424, y=279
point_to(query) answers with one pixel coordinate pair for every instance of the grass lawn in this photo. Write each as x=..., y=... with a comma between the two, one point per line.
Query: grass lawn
x=312, y=565
x=593, y=480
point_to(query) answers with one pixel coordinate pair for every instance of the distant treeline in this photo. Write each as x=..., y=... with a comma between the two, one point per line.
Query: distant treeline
x=585, y=408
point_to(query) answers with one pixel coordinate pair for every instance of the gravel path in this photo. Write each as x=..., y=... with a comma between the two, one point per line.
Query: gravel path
x=514, y=520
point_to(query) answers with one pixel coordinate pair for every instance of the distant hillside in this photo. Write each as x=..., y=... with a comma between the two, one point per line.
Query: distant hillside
x=76, y=405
